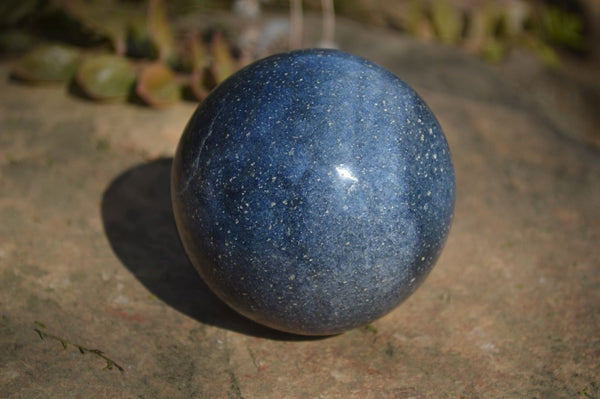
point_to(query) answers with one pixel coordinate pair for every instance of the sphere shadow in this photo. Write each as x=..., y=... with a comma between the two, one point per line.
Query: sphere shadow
x=140, y=227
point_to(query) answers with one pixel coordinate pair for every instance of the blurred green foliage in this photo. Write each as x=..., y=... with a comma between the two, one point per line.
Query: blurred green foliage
x=48, y=63
x=140, y=32
x=562, y=28
x=447, y=21
x=116, y=49
x=491, y=28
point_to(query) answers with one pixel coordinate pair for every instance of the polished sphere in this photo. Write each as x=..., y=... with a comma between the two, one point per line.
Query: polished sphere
x=313, y=191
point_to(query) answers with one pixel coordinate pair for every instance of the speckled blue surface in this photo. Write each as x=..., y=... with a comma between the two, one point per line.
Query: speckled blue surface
x=313, y=191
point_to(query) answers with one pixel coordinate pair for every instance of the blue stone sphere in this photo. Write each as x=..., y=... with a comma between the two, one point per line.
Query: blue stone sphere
x=313, y=191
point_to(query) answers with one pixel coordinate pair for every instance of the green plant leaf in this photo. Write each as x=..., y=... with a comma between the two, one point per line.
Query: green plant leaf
x=157, y=85
x=58, y=23
x=14, y=11
x=138, y=41
x=160, y=31
x=106, y=77
x=48, y=63
x=414, y=18
x=90, y=22
x=222, y=65
x=562, y=28
x=543, y=51
x=482, y=23
x=371, y=328
x=447, y=21
x=494, y=50
x=201, y=83
x=199, y=57
x=192, y=54
x=16, y=41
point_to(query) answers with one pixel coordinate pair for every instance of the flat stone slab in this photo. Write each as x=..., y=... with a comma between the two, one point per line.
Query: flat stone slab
x=89, y=249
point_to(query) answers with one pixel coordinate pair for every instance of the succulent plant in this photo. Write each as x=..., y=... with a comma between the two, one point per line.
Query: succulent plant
x=197, y=66
x=106, y=77
x=447, y=21
x=158, y=86
x=134, y=42
x=47, y=63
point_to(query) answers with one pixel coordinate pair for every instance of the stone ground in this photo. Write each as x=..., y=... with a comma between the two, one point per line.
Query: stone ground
x=88, y=247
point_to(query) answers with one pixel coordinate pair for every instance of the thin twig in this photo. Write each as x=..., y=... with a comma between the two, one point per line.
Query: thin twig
x=82, y=349
x=295, y=24
x=328, y=38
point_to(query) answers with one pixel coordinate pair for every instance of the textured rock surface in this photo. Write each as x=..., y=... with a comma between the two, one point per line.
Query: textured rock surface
x=313, y=191
x=88, y=246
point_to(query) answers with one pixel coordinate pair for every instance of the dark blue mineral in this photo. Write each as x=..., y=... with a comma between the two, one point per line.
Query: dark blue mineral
x=313, y=191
